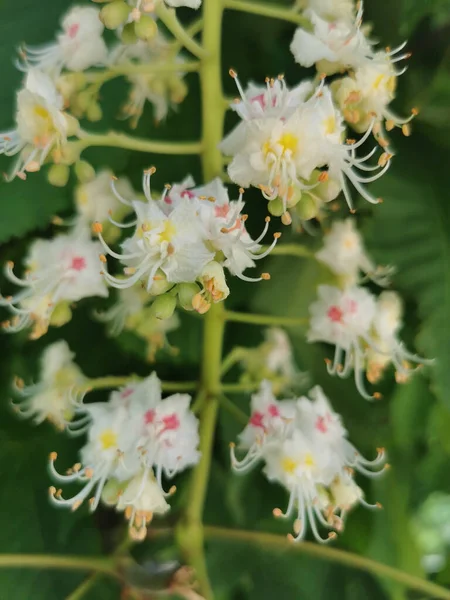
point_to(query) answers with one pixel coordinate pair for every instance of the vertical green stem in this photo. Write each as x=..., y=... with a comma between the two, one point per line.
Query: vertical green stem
x=190, y=531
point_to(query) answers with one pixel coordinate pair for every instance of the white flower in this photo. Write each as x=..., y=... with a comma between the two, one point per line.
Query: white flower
x=169, y=435
x=148, y=6
x=361, y=329
x=279, y=357
x=174, y=244
x=54, y=396
x=334, y=45
x=131, y=302
x=341, y=159
x=163, y=90
x=344, y=318
x=274, y=99
x=269, y=419
x=79, y=46
x=111, y=442
x=386, y=347
x=367, y=93
x=41, y=124
x=305, y=448
x=344, y=253
x=280, y=155
x=140, y=500
x=62, y=270
x=96, y=201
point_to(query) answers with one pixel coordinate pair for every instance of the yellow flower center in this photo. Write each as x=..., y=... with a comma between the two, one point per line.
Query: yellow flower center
x=41, y=112
x=349, y=243
x=329, y=125
x=309, y=460
x=168, y=232
x=288, y=141
x=288, y=465
x=108, y=439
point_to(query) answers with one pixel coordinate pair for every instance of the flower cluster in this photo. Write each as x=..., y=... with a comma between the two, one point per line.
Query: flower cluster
x=304, y=446
x=58, y=272
x=54, y=397
x=291, y=144
x=336, y=41
x=184, y=240
x=363, y=328
x=133, y=440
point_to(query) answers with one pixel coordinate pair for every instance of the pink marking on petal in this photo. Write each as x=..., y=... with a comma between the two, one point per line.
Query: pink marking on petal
x=149, y=416
x=73, y=30
x=222, y=211
x=168, y=200
x=256, y=420
x=352, y=306
x=260, y=100
x=273, y=410
x=126, y=393
x=171, y=422
x=187, y=194
x=321, y=425
x=335, y=314
x=78, y=263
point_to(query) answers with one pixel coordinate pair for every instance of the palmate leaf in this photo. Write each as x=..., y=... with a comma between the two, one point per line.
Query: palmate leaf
x=411, y=230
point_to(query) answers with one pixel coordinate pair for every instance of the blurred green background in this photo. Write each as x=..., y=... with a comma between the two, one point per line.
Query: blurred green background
x=410, y=230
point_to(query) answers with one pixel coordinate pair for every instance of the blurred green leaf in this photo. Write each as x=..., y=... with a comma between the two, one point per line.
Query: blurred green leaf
x=414, y=219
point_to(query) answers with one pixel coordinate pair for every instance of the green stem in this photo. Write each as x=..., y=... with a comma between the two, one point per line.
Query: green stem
x=277, y=542
x=190, y=530
x=242, y=388
x=119, y=381
x=292, y=250
x=169, y=18
x=121, y=140
x=87, y=584
x=231, y=359
x=269, y=320
x=267, y=10
x=48, y=561
x=141, y=69
x=230, y=407
x=192, y=30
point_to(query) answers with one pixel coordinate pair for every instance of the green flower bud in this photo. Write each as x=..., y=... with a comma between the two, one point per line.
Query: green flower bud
x=84, y=171
x=128, y=35
x=61, y=315
x=58, y=175
x=186, y=293
x=164, y=306
x=72, y=124
x=307, y=208
x=84, y=100
x=178, y=90
x=70, y=153
x=114, y=14
x=276, y=207
x=146, y=28
x=160, y=284
x=111, y=491
x=94, y=112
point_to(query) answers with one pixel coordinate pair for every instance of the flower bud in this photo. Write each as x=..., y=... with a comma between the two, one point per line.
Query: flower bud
x=213, y=278
x=186, y=293
x=160, y=284
x=58, y=175
x=84, y=171
x=61, y=314
x=276, y=207
x=164, y=306
x=178, y=90
x=94, y=112
x=307, y=208
x=69, y=153
x=114, y=14
x=200, y=304
x=146, y=28
x=84, y=100
x=72, y=124
x=112, y=491
x=128, y=35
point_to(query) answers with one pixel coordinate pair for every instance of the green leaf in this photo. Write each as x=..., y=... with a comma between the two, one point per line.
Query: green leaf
x=415, y=225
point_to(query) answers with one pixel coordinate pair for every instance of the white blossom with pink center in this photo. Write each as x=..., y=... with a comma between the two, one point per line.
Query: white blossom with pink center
x=268, y=421
x=64, y=269
x=304, y=446
x=79, y=46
